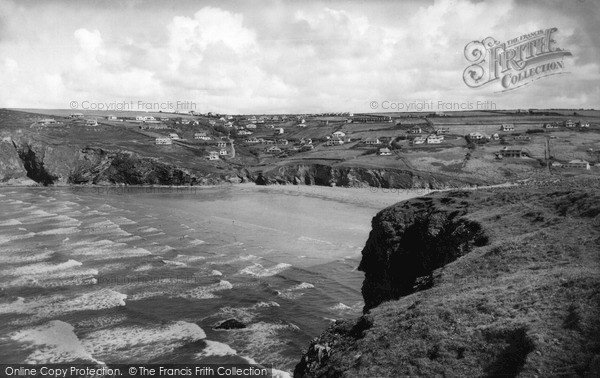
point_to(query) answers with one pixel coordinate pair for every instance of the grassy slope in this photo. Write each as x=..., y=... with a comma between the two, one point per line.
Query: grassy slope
x=528, y=303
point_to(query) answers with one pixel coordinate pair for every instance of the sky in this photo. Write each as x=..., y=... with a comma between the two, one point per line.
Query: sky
x=276, y=56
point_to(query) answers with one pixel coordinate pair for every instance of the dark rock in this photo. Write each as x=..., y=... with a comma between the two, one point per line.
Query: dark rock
x=231, y=324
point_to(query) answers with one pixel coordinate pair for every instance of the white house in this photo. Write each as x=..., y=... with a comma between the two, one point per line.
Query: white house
x=174, y=136
x=244, y=132
x=163, y=140
x=476, y=136
x=213, y=155
x=252, y=140
x=583, y=124
x=578, y=164
x=273, y=150
x=435, y=139
x=91, y=122
x=47, y=121
x=112, y=118
x=279, y=131
x=76, y=115
x=223, y=152
x=372, y=141
x=149, y=118
x=335, y=142
x=221, y=144
x=201, y=136
x=140, y=118
x=418, y=140
x=415, y=130
x=507, y=127
x=282, y=141
x=339, y=134
x=251, y=126
x=384, y=151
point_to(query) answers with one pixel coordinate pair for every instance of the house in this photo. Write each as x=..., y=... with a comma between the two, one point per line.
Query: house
x=415, y=130
x=282, y=142
x=384, y=151
x=174, y=136
x=495, y=136
x=140, y=118
x=229, y=124
x=476, y=136
x=307, y=147
x=149, y=119
x=551, y=126
x=244, y=132
x=252, y=140
x=273, y=150
x=47, y=121
x=372, y=141
x=212, y=122
x=569, y=123
x=251, y=119
x=112, y=118
x=418, y=140
x=338, y=134
x=91, y=122
x=201, y=136
x=251, y=126
x=507, y=127
x=165, y=119
x=221, y=144
x=583, y=124
x=441, y=131
x=435, y=139
x=76, y=115
x=223, y=152
x=279, y=131
x=523, y=138
x=556, y=164
x=213, y=155
x=163, y=140
x=577, y=164
x=511, y=153
x=335, y=142
x=268, y=141
x=306, y=141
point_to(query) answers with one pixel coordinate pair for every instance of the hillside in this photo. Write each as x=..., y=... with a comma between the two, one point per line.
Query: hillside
x=296, y=150
x=501, y=282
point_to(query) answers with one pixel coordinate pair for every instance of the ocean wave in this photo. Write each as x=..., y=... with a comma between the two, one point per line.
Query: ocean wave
x=293, y=292
x=140, y=343
x=258, y=270
x=10, y=222
x=55, y=342
x=215, y=348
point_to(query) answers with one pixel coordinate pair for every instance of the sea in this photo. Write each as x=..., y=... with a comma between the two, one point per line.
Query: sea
x=145, y=275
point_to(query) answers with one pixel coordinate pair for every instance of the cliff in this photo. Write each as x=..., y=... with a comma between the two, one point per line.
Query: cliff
x=354, y=176
x=30, y=160
x=475, y=283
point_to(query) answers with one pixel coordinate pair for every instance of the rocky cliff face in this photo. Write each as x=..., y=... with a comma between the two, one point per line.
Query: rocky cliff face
x=326, y=175
x=501, y=282
x=26, y=160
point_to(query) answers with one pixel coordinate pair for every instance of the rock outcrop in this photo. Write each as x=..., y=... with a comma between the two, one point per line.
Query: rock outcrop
x=501, y=282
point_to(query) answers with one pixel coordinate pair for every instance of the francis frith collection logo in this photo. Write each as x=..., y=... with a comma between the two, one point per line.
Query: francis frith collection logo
x=515, y=63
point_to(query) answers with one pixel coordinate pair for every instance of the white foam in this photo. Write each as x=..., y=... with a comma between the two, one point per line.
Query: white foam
x=34, y=269
x=20, y=257
x=293, y=292
x=215, y=348
x=141, y=344
x=206, y=292
x=8, y=238
x=60, y=231
x=258, y=270
x=174, y=263
x=10, y=222
x=55, y=342
x=189, y=258
x=195, y=242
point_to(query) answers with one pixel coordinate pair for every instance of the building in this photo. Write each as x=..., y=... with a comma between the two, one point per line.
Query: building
x=369, y=119
x=415, y=130
x=577, y=164
x=91, y=122
x=279, y=131
x=244, y=132
x=213, y=155
x=163, y=140
x=339, y=134
x=201, y=136
x=284, y=142
x=76, y=115
x=384, y=151
x=174, y=136
x=149, y=119
x=511, y=153
x=307, y=147
x=306, y=141
x=112, y=118
x=335, y=142
x=476, y=136
x=583, y=124
x=418, y=140
x=434, y=139
x=47, y=121
x=252, y=140
x=251, y=126
x=523, y=138
x=140, y=118
x=223, y=152
x=221, y=144
x=441, y=131
x=507, y=127
x=551, y=126
x=372, y=141
x=495, y=136
x=268, y=141
x=569, y=123
x=273, y=150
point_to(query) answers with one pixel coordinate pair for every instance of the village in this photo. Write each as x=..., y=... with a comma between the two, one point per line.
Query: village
x=480, y=142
